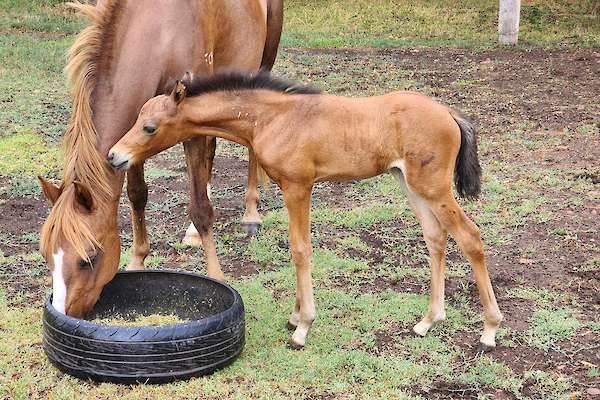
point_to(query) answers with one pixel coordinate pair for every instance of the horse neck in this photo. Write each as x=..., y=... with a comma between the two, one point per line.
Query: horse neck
x=234, y=116
x=119, y=94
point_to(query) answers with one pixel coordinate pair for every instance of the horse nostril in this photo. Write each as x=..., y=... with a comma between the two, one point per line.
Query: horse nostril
x=111, y=156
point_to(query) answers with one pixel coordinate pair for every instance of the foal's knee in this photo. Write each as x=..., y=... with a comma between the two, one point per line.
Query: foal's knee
x=436, y=240
x=301, y=251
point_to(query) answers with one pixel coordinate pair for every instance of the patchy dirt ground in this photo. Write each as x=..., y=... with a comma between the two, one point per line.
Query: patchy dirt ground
x=538, y=114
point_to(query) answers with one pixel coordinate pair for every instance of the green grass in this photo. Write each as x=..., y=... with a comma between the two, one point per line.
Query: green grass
x=549, y=327
x=347, y=23
x=26, y=154
x=342, y=23
x=38, y=16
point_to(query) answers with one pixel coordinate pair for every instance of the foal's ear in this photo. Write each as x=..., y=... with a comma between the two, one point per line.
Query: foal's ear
x=83, y=197
x=179, y=92
x=50, y=190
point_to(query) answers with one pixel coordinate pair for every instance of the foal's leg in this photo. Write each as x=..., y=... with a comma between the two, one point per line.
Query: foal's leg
x=467, y=236
x=251, y=220
x=435, y=239
x=297, y=202
x=201, y=211
x=137, y=191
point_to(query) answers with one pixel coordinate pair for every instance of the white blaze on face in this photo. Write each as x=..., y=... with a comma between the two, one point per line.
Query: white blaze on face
x=208, y=189
x=59, y=289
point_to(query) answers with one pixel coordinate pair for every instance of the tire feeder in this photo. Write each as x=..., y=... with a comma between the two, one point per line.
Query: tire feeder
x=212, y=339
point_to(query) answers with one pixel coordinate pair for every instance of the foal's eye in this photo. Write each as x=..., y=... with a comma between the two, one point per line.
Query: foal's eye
x=149, y=129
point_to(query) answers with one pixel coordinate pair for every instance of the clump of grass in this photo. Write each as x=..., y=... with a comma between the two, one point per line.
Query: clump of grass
x=26, y=154
x=547, y=386
x=549, y=327
x=540, y=296
x=352, y=242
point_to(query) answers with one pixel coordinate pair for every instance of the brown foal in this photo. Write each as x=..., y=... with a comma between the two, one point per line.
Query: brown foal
x=301, y=137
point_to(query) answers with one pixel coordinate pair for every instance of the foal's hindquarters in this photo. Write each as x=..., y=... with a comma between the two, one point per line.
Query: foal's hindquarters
x=440, y=214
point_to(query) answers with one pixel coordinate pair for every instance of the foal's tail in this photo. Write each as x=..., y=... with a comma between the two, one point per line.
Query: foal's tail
x=467, y=173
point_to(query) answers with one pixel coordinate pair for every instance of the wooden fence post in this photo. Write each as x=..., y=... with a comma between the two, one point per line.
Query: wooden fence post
x=508, y=21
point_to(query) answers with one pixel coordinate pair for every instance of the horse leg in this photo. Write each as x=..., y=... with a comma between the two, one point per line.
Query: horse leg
x=192, y=237
x=435, y=239
x=201, y=211
x=251, y=220
x=137, y=191
x=467, y=236
x=297, y=202
x=292, y=323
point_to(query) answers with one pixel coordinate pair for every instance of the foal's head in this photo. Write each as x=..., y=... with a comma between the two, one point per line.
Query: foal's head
x=157, y=128
x=80, y=243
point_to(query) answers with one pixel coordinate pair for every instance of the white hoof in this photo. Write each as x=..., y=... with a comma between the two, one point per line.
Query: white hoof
x=192, y=237
x=422, y=328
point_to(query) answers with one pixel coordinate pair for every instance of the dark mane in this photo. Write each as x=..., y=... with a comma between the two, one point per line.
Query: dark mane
x=235, y=81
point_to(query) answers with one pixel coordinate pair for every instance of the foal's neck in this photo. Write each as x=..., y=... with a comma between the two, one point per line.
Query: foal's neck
x=235, y=116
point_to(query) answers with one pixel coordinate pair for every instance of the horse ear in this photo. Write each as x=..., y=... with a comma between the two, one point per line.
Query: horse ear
x=178, y=93
x=83, y=196
x=50, y=190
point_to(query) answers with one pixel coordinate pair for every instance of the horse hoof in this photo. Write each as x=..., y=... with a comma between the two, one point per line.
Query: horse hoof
x=251, y=228
x=420, y=330
x=192, y=241
x=484, y=348
x=290, y=326
x=295, y=346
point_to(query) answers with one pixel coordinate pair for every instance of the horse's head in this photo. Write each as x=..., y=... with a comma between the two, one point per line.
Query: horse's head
x=159, y=125
x=81, y=244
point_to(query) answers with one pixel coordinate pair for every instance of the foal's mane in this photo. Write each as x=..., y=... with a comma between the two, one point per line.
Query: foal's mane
x=83, y=161
x=233, y=81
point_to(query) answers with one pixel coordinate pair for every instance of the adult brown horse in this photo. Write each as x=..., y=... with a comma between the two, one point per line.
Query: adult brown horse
x=128, y=54
x=301, y=137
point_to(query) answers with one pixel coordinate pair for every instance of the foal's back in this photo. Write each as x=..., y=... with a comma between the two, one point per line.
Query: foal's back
x=344, y=138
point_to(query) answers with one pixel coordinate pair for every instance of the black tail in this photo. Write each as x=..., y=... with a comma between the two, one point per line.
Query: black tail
x=467, y=172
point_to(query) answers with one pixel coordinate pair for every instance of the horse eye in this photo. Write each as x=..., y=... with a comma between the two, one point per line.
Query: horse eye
x=85, y=264
x=149, y=129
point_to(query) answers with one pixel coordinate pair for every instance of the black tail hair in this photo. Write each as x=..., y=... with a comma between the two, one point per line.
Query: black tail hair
x=467, y=172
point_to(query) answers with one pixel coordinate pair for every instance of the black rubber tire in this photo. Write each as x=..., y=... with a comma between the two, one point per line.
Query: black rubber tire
x=149, y=354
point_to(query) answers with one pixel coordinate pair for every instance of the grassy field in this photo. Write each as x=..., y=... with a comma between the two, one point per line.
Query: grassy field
x=347, y=23
x=538, y=115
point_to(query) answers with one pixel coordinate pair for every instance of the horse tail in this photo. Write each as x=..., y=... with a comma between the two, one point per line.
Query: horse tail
x=274, y=26
x=467, y=172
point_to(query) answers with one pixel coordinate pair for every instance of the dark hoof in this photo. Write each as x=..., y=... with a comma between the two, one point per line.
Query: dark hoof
x=251, y=228
x=290, y=326
x=484, y=348
x=295, y=346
